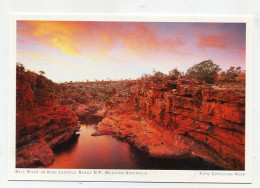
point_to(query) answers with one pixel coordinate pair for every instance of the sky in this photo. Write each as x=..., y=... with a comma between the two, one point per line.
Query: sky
x=85, y=50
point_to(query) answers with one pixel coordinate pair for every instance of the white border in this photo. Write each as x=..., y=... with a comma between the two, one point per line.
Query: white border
x=152, y=175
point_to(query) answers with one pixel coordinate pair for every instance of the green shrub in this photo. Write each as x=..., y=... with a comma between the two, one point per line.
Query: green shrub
x=204, y=71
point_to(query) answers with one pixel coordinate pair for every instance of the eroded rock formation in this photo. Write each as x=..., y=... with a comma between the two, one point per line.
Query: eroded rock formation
x=170, y=118
x=41, y=123
x=163, y=116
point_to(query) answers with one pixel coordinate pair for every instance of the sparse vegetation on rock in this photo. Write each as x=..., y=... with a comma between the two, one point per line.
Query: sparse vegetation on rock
x=233, y=74
x=200, y=114
x=204, y=71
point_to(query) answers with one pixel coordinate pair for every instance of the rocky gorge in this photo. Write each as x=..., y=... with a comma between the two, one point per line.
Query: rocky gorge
x=181, y=118
x=162, y=116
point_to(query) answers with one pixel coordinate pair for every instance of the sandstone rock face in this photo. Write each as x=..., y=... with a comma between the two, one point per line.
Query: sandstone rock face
x=91, y=113
x=41, y=123
x=171, y=118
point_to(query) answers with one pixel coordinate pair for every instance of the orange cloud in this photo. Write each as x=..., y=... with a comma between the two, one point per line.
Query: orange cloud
x=31, y=54
x=102, y=37
x=64, y=45
x=54, y=34
x=213, y=41
x=143, y=40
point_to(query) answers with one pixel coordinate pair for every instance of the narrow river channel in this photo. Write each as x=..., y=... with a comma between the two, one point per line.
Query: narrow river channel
x=84, y=151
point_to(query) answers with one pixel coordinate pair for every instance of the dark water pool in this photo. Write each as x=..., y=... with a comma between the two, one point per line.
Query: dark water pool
x=84, y=151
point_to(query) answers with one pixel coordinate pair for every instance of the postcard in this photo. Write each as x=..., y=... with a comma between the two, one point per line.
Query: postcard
x=130, y=98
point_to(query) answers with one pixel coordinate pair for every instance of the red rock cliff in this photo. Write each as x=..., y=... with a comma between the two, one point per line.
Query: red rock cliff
x=41, y=123
x=171, y=118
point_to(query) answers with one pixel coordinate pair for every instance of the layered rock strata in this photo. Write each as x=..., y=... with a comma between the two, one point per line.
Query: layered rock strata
x=41, y=123
x=170, y=118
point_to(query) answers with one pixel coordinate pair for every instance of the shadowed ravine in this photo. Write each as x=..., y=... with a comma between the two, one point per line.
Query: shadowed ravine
x=84, y=151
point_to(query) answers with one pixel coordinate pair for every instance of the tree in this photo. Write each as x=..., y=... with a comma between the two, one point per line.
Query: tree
x=19, y=67
x=174, y=73
x=157, y=74
x=231, y=74
x=204, y=71
x=41, y=72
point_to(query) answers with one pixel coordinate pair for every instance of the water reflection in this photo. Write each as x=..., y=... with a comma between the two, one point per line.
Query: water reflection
x=106, y=152
x=88, y=152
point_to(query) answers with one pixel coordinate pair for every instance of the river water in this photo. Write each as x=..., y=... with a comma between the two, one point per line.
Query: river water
x=84, y=151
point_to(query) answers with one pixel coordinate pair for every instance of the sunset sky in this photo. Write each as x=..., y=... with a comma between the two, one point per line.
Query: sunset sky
x=77, y=51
